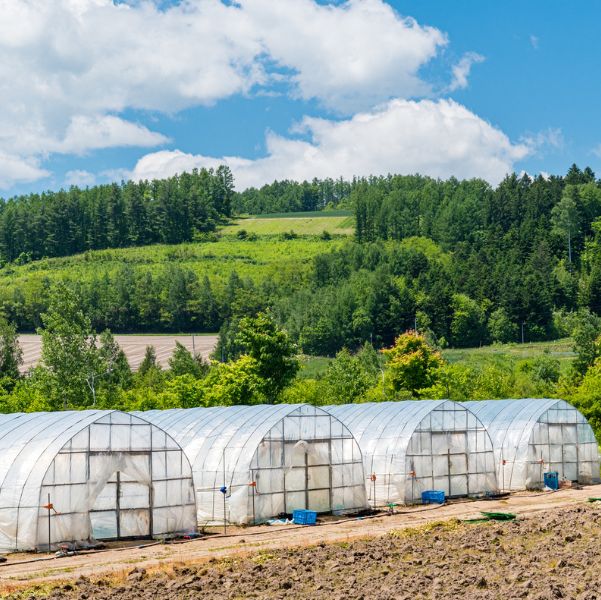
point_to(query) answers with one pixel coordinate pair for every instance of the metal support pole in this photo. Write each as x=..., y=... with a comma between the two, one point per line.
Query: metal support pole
x=224, y=492
x=49, y=528
x=118, y=505
x=373, y=484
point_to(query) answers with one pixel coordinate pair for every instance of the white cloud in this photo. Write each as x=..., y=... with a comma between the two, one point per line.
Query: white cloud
x=91, y=133
x=597, y=150
x=534, y=41
x=461, y=71
x=541, y=141
x=440, y=139
x=350, y=55
x=70, y=68
x=14, y=169
x=80, y=178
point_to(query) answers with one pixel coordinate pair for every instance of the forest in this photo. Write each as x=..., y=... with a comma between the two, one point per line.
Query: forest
x=173, y=210
x=466, y=263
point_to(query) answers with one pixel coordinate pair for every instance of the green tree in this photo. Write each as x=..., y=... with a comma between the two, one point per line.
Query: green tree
x=182, y=362
x=587, y=346
x=272, y=350
x=346, y=379
x=11, y=355
x=70, y=360
x=565, y=218
x=412, y=364
x=501, y=328
x=467, y=323
x=236, y=382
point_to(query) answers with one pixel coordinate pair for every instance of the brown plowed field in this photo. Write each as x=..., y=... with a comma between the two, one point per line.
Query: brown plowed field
x=553, y=550
x=134, y=347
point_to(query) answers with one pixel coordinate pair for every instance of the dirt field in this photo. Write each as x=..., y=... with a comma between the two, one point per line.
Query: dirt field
x=134, y=347
x=551, y=551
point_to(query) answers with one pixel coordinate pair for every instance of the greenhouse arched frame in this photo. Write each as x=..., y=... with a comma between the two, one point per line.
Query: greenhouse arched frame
x=77, y=476
x=419, y=445
x=269, y=460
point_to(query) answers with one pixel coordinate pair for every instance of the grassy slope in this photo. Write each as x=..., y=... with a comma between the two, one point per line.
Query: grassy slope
x=302, y=225
x=267, y=257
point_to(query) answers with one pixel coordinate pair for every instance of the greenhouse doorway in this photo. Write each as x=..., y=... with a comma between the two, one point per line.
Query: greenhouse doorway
x=308, y=479
x=450, y=463
x=122, y=509
x=557, y=451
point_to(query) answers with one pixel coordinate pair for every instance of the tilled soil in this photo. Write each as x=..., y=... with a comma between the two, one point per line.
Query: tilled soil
x=554, y=554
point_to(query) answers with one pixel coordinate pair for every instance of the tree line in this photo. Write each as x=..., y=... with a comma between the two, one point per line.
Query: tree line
x=173, y=210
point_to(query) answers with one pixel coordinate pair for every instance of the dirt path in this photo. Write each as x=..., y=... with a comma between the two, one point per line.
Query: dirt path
x=17, y=573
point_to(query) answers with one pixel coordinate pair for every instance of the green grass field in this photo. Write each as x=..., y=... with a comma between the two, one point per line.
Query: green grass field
x=263, y=258
x=560, y=349
x=314, y=366
x=303, y=224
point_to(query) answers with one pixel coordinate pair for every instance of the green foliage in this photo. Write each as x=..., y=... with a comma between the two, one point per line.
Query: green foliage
x=412, y=364
x=182, y=362
x=468, y=323
x=70, y=360
x=347, y=378
x=169, y=211
x=11, y=355
x=272, y=350
x=501, y=328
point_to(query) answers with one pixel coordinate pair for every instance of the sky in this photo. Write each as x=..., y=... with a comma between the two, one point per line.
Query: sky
x=93, y=91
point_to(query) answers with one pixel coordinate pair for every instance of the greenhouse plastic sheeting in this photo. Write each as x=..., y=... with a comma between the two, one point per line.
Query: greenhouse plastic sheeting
x=414, y=446
x=532, y=436
x=108, y=475
x=272, y=459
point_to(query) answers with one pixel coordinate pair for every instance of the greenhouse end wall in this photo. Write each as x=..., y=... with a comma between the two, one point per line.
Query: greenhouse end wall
x=272, y=459
x=107, y=475
x=414, y=446
x=534, y=435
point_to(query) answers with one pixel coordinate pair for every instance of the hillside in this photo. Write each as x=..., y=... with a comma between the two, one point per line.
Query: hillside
x=173, y=280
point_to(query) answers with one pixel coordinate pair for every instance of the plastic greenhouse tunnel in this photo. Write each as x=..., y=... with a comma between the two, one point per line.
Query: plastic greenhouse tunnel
x=269, y=460
x=535, y=436
x=78, y=476
x=410, y=447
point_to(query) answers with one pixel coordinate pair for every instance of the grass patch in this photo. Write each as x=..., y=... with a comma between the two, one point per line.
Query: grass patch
x=313, y=366
x=559, y=349
x=310, y=213
x=303, y=224
x=276, y=259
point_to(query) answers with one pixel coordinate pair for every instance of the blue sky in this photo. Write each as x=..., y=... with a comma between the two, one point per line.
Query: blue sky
x=93, y=92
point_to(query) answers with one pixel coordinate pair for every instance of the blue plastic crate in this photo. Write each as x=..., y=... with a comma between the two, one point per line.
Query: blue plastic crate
x=304, y=517
x=551, y=480
x=433, y=497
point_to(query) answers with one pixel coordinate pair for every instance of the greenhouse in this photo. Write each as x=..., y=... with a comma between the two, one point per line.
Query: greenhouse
x=78, y=476
x=415, y=446
x=533, y=436
x=251, y=463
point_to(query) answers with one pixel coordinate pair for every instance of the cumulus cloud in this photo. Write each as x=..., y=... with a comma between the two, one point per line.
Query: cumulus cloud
x=461, y=71
x=14, y=169
x=438, y=138
x=350, y=55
